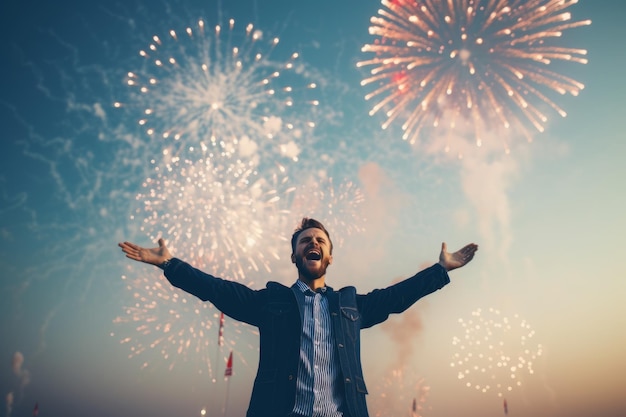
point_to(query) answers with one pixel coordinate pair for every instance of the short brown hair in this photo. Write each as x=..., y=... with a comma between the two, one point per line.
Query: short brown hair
x=308, y=223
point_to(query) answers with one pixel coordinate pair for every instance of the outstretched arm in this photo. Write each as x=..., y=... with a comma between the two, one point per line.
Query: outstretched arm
x=456, y=259
x=153, y=256
x=233, y=298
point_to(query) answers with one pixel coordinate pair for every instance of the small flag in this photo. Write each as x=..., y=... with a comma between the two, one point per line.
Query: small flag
x=229, y=365
x=36, y=410
x=220, y=340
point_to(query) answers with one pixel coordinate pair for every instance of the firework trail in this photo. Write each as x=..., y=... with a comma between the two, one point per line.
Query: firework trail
x=220, y=85
x=480, y=65
x=401, y=393
x=494, y=351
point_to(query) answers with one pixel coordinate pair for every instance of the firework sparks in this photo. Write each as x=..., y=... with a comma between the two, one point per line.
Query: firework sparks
x=217, y=211
x=198, y=84
x=401, y=393
x=494, y=352
x=221, y=116
x=459, y=63
x=227, y=115
x=170, y=337
x=338, y=204
x=174, y=326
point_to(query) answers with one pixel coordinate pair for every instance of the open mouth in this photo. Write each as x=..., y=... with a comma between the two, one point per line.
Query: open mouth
x=313, y=255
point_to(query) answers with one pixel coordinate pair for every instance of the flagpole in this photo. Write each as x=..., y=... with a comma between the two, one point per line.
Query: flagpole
x=227, y=395
x=227, y=374
x=220, y=342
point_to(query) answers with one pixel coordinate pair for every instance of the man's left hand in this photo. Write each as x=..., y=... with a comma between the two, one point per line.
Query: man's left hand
x=456, y=259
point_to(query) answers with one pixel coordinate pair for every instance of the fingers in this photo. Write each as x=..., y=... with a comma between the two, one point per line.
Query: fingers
x=468, y=252
x=129, y=245
x=125, y=247
x=130, y=249
x=470, y=248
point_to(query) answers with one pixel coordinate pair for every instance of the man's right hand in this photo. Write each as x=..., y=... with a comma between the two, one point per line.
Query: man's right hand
x=153, y=256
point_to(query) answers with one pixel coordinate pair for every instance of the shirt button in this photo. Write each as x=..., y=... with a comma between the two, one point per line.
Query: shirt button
x=348, y=380
x=340, y=345
x=290, y=377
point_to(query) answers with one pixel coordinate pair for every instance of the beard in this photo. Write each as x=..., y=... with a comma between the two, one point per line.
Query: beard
x=311, y=274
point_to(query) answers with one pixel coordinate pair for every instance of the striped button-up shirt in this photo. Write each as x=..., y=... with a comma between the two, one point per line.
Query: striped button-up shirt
x=318, y=393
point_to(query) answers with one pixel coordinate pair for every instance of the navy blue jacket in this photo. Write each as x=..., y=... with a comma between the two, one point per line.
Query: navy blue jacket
x=274, y=310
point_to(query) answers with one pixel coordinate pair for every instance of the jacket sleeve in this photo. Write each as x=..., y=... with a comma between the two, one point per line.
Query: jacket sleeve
x=230, y=297
x=376, y=306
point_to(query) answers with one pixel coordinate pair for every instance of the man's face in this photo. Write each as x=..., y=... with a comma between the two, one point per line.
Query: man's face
x=312, y=254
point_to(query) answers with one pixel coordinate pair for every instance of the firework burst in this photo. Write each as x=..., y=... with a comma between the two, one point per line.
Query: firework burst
x=216, y=211
x=222, y=117
x=161, y=324
x=200, y=85
x=494, y=351
x=400, y=393
x=477, y=64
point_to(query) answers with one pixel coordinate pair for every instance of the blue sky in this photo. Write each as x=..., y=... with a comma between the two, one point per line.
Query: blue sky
x=86, y=331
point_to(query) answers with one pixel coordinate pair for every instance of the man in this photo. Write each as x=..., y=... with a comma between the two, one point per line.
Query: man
x=310, y=363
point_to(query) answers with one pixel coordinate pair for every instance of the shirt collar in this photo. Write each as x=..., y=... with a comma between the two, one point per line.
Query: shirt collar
x=305, y=288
